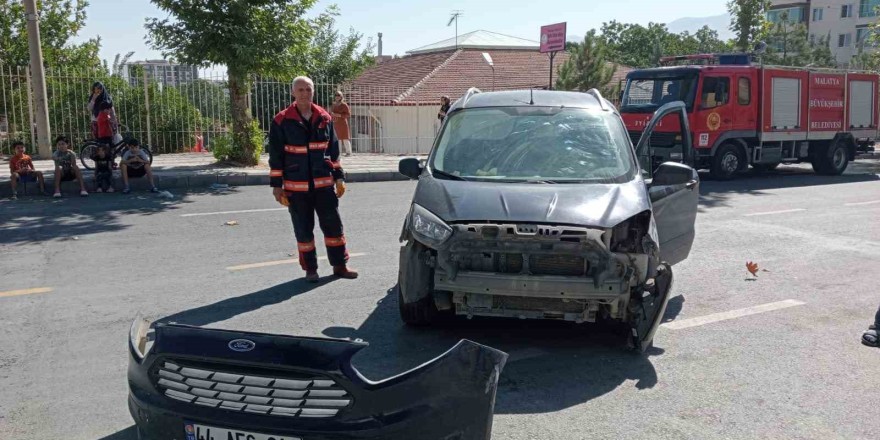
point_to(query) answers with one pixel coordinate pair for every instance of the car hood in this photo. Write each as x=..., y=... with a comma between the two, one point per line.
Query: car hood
x=596, y=205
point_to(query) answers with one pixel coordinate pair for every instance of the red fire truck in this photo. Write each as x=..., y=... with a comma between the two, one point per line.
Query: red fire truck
x=742, y=113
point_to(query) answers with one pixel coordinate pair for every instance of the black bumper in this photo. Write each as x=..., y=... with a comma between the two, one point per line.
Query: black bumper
x=450, y=397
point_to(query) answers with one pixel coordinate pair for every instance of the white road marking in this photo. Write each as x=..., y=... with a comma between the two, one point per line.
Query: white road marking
x=525, y=353
x=280, y=262
x=724, y=316
x=786, y=211
x=873, y=202
x=232, y=212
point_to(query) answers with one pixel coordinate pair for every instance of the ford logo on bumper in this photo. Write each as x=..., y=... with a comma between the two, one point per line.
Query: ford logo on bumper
x=241, y=345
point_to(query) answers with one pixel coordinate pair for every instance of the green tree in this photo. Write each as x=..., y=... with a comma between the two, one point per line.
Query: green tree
x=820, y=52
x=636, y=45
x=59, y=21
x=587, y=67
x=787, y=43
x=265, y=37
x=708, y=41
x=334, y=59
x=748, y=20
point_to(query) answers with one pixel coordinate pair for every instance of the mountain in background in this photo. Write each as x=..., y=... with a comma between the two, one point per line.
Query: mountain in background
x=719, y=23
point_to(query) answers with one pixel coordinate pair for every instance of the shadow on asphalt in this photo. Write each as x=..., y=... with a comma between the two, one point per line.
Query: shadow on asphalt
x=129, y=433
x=38, y=219
x=232, y=307
x=553, y=365
x=715, y=194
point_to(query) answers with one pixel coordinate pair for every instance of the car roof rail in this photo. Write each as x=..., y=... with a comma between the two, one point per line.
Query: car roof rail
x=596, y=94
x=471, y=92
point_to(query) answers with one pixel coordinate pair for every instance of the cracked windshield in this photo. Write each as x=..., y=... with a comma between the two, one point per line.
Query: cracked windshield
x=527, y=144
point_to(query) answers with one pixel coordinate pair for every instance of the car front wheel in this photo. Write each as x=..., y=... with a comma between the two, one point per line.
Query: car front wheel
x=415, y=282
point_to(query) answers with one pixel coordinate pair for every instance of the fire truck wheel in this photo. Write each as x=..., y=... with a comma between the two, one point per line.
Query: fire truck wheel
x=727, y=161
x=834, y=160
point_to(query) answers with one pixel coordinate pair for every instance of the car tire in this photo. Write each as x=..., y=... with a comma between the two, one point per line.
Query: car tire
x=834, y=160
x=421, y=313
x=765, y=167
x=728, y=159
x=415, y=275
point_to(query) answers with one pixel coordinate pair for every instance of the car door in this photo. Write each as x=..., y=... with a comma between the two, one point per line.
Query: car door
x=674, y=189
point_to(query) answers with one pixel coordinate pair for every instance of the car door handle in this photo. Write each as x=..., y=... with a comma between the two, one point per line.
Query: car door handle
x=726, y=121
x=691, y=185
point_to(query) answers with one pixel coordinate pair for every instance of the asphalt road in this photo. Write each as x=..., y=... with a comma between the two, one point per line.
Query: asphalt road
x=777, y=357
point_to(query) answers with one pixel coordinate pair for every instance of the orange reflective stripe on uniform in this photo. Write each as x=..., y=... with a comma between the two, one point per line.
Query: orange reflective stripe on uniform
x=317, y=145
x=296, y=149
x=306, y=247
x=323, y=182
x=334, y=241
x=290, y=185
x=276, y=173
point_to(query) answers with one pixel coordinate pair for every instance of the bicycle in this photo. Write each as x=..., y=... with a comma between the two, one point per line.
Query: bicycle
x=90, y=147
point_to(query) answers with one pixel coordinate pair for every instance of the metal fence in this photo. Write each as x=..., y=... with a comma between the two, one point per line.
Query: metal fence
x=174, y=115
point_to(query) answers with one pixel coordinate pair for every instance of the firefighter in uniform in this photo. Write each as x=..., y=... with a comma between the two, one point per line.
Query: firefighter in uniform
x=304, y=158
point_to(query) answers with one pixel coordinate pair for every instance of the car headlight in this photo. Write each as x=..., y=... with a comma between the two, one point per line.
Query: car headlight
x=429, y=227
x=140, y=337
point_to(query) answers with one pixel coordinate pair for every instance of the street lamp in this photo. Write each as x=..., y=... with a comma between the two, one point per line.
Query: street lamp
x=492, y=65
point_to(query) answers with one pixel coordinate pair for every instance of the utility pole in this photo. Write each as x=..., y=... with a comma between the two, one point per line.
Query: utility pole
x=41, y=110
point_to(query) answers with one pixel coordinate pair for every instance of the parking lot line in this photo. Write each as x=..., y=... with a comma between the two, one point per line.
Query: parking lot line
x=280, y=262
x=732, y=314
x=873, y=202
x=199, y=214
x=25, y=291
x=785, y=211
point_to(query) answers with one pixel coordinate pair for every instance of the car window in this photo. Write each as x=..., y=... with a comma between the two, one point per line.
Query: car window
x=715, y=92
x=534, y=143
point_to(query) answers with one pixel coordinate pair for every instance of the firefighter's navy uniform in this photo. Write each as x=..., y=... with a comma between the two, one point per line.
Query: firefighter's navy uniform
x=304, y=158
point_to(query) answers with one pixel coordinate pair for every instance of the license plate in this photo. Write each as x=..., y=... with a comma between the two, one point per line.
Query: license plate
x=201, y=432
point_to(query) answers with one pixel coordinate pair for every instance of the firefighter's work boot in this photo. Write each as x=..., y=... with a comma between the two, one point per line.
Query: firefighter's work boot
x=344, y=272
x=312, y=276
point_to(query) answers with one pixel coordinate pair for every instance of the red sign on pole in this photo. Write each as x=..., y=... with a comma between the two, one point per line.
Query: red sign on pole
x=553, y=37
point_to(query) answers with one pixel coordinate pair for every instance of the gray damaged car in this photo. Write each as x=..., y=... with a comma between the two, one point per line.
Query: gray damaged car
x=536, y=205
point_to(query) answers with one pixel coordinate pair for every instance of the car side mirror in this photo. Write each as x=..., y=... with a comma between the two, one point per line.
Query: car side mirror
x=674, y=173
x=410, y=167
x=672, y=178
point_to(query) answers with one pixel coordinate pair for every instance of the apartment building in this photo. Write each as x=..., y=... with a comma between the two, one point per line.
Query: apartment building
x=166, y=72
x=846, y=22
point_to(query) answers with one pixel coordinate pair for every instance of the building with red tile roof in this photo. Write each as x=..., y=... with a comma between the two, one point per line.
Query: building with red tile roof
x=395, y=102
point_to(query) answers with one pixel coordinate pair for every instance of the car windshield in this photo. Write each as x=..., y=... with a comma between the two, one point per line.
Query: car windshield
x=650, y=93
x=541, y=144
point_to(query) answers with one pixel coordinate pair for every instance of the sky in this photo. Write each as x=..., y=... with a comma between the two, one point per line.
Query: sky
x=408, y=24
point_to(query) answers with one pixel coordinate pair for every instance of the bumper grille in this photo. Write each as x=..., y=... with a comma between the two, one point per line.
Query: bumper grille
x=567, y=265
x=657, y=139
x=540, y=264
x=310, y=397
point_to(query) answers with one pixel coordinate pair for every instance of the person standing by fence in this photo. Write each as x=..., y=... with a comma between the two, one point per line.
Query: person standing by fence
x=341, y=113
x=98, y=97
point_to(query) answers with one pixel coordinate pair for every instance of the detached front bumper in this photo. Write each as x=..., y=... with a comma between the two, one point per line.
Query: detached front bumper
x=293, y=387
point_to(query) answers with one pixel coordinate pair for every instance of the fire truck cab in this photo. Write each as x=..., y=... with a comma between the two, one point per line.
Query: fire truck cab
x=745, y=114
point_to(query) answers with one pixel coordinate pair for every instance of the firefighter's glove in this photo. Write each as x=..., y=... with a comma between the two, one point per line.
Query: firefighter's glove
x=340, y=188
x=280, y=197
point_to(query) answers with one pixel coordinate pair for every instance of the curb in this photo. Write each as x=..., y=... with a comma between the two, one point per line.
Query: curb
x=190, y=181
